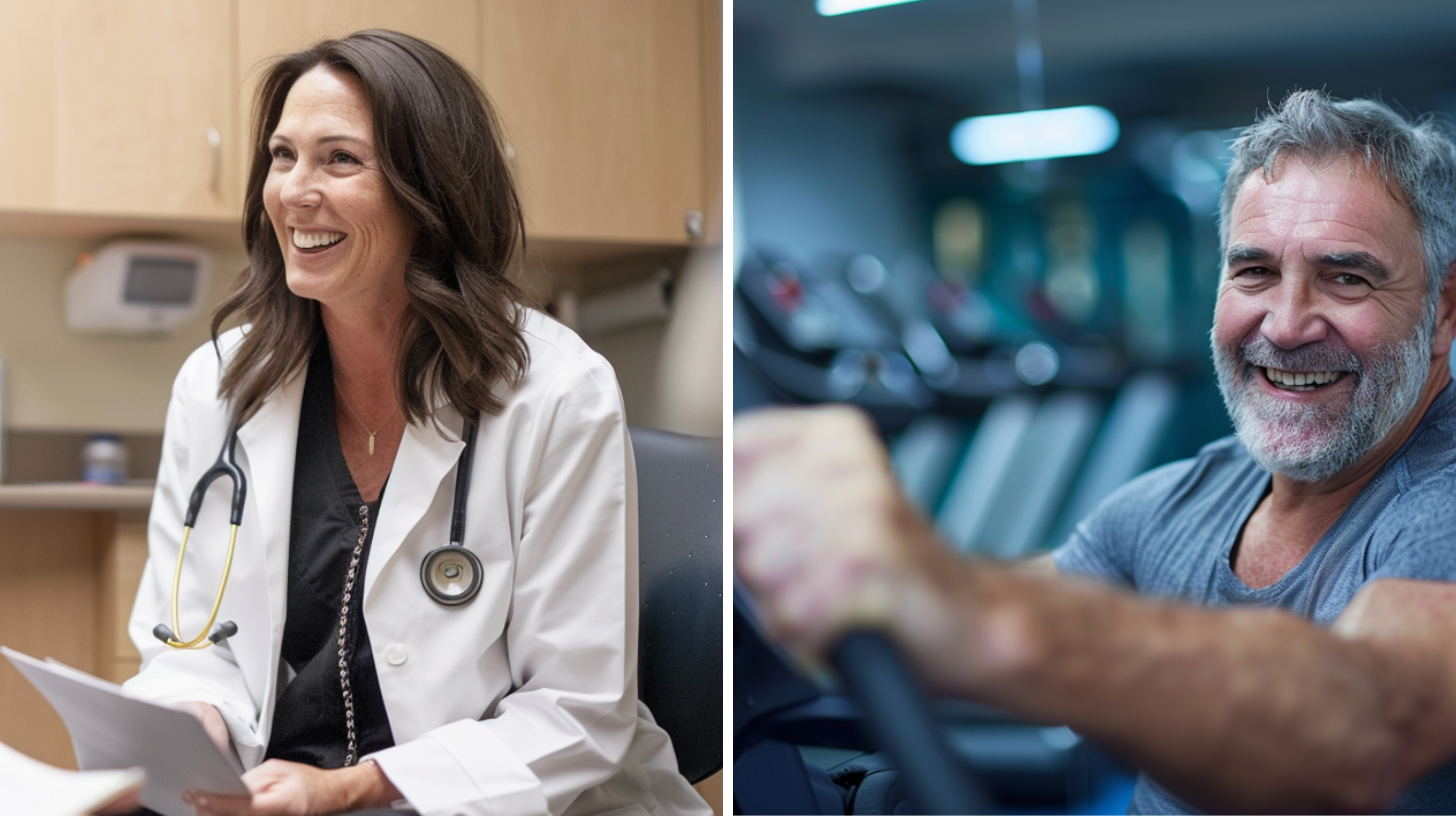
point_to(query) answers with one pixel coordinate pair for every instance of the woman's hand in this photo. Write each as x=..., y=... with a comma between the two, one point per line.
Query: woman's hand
x=212, y=723
x=128, y=803
x=281, y=788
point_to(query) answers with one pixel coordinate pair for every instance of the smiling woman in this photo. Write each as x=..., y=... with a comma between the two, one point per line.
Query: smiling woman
x=341, y=233
x=387, y=378
x=438, y=167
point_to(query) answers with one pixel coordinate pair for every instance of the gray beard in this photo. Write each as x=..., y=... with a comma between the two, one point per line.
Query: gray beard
x=1313, y=443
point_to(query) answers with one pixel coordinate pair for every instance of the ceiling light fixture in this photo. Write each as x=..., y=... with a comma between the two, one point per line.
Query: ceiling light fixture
x=1034, y=135
x=829, y=8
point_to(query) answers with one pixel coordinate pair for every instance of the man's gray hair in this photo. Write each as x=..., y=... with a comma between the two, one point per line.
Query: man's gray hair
x=1418, y=156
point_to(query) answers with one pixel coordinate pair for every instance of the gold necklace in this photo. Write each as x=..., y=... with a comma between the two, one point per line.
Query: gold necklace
x=361, y=419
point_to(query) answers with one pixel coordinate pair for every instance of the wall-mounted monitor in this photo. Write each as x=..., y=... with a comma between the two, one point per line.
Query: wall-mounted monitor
x=136, y=287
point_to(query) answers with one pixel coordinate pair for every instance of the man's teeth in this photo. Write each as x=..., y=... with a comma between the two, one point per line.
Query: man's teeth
x=1297, y=379
x=309, y=240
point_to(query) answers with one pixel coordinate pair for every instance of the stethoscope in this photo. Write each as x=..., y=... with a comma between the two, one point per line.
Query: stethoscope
x=451, y=574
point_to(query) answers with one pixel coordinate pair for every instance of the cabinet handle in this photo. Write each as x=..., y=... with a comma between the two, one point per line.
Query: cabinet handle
x=214, y=140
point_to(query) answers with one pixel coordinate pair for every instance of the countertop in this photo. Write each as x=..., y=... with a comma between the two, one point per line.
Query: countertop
x=76, y=496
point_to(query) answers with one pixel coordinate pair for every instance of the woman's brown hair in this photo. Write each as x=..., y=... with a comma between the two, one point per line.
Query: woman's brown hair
x=442, y=156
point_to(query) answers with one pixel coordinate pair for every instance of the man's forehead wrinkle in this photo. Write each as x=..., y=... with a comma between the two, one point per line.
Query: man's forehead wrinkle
x=1304, y=207
x=1356, y=163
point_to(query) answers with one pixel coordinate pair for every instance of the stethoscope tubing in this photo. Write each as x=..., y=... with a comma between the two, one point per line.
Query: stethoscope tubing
x=462, y=486
x=226, y=465
x=455, y=550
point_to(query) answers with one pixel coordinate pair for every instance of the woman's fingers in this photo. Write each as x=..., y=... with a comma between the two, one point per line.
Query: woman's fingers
x=212, y=723
x=212, y=804
x=128, y=803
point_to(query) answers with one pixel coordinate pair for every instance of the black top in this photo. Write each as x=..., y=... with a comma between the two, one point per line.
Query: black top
x=308, y=721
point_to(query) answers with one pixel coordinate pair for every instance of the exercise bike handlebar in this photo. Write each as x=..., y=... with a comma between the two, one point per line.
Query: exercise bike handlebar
x=899, y=721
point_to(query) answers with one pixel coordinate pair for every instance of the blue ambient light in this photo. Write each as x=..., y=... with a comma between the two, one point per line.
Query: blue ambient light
x=829, y=8
x=1033, y=135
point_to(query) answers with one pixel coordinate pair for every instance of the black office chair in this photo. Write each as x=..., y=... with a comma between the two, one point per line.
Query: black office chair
x=680, y=547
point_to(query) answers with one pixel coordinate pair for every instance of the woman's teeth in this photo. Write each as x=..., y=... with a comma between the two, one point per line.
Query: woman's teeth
x=1300, y=380
x=310, y=240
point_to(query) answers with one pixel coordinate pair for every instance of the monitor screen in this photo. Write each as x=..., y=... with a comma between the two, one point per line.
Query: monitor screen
x=160, y=281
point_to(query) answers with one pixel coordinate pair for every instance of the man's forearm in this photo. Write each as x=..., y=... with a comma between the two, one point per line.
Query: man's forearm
x=1230, y=709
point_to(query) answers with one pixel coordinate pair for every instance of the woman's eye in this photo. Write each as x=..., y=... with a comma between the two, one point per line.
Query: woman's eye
x=343, y=158
x=281, y=153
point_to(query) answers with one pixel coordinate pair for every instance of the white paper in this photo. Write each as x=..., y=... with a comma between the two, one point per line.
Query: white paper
x=37, y=789
x=111, y=729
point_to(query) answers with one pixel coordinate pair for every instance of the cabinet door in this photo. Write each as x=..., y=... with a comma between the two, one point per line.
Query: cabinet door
x=269, y=28
x=602, y=103
x=27, y=104
x=118, y=108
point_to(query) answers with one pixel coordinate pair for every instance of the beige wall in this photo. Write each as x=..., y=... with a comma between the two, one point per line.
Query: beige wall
x=58, y=380
x=671, y=371
x=634, y=352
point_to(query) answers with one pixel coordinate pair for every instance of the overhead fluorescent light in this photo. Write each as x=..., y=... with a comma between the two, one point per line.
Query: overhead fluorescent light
x=1033, y=135
x=829, y=8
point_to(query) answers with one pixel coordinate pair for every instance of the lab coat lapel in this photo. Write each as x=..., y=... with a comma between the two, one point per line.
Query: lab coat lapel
x=425, y=458
x=269, y=443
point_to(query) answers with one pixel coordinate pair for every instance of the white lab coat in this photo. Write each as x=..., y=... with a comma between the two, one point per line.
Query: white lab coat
x=523, y=701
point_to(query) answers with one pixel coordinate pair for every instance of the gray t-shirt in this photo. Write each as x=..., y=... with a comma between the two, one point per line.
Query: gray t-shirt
x=1168, y=534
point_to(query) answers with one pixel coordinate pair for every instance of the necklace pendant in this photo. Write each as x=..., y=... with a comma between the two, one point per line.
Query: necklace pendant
x=371, y=444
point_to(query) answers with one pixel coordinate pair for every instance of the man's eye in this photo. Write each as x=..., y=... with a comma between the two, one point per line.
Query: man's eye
x=1348, y=279
x=1252, y=272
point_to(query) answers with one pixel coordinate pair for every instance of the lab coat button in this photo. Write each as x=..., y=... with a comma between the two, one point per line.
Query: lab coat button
x=396, y=654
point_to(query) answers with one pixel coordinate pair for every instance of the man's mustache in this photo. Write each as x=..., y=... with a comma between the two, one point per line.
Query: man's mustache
x=1322, y=356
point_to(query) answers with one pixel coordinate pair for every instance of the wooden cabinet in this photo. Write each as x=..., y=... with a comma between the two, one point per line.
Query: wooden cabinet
x=604, y=108
x=141, y=109
x=602, y=101
x=713, y=120
x=71, y=558
x=117, y=108
x=269, y=28
x=27, y=103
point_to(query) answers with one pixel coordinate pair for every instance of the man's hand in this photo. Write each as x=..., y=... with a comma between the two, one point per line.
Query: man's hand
x=826, y=541
x=281, y=788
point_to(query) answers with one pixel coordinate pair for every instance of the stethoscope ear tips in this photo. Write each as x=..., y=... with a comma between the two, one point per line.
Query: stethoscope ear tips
x=451, y=575
x=220, y=632
x=223, y=631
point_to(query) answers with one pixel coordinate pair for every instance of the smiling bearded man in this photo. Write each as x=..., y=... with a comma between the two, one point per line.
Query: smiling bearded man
x=1313, y=443
x=1292, y=648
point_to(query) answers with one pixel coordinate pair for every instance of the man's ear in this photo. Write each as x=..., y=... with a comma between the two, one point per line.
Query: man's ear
x=1445, y=331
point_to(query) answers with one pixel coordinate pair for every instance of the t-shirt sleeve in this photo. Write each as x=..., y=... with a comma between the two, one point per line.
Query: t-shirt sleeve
x=1421, y=542
x=1104, y=544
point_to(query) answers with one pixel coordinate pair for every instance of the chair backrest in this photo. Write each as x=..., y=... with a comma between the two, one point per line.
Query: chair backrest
x=680, y=548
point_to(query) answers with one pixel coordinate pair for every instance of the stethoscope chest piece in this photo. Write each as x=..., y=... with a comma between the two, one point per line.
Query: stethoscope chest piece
x=451, y=575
